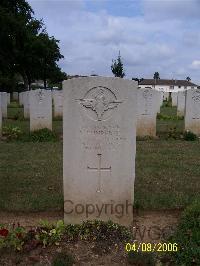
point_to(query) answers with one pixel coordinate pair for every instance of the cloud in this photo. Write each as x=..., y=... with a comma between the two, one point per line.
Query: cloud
x=195, y=65
x=171, y=9
x=191, y=38
x=161, y=38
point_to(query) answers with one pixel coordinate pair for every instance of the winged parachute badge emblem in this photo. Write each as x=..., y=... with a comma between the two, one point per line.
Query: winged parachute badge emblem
x=100, y=100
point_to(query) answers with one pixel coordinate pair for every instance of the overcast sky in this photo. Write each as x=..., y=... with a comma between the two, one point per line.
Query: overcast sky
x=152, y=35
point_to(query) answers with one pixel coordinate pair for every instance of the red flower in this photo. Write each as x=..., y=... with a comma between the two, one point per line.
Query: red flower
x=4, y=232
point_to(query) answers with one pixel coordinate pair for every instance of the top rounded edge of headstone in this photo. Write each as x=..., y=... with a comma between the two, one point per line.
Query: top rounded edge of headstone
x=99, y=78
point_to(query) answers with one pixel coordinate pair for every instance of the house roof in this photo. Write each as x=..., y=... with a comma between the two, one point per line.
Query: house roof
x=167, y=82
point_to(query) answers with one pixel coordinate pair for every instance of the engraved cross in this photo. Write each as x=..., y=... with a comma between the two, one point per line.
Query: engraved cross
x=99, y=169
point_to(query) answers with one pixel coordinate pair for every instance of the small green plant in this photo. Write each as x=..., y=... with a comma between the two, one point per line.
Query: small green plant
x=189, y=136
x=12, y=237
x=43, y=135
x=100, y=230
x=167, y=103
x=12, y=132
x=63, y=259
x=140, y=259
x=50, y=234
x=173, y=134
x=96, y=230
x=18, y=116
x=187, y=237
x=168, y=117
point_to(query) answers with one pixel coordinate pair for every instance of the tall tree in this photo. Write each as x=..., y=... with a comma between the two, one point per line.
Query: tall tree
x=14, y=16
x=28, y=57
x=117, y=67
x=48, y=54
x=25, y=45
x=156, y=75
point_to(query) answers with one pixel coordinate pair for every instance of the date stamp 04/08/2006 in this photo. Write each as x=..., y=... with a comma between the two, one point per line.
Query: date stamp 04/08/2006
x=150, y=247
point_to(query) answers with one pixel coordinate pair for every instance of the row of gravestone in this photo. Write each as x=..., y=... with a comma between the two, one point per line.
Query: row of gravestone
x=188, y=105
x=38, y=106
x=178, y=100
x=100, y=120
x=26, y=98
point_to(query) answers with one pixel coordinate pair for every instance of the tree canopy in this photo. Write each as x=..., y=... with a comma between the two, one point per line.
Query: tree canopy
x=27, y=51
x=117, y=67
x=156, y=75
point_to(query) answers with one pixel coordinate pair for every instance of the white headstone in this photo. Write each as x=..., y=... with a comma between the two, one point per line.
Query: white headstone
x=147, y=107
x=181, y=103
x=0, y=117
x=8, y=98
x=58, y=103
x=15, y=96
x=20, y=98
x=40, y=109
x=166, y=96
x=174, y=96
x=159, y=100
x=192, y=111
x=4, y=103
x=26, y=104
x=99, y=122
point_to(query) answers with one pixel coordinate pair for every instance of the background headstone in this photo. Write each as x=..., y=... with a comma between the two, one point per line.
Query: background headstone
x=147, y=107
x=20, y=98
x=181, y=103
x=8, y=98
x=192, y=111
x=4, y=103
x=166, y=96
x=15, y=96
x=0, y=117
x=99, y=122
x=26, y=104
x=40, y=109
x=159, y=100
x=58, y=103
x=174, y=96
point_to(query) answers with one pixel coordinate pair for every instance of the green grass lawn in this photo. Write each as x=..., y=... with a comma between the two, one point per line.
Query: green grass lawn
x=165, y=126
x=167, y=171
